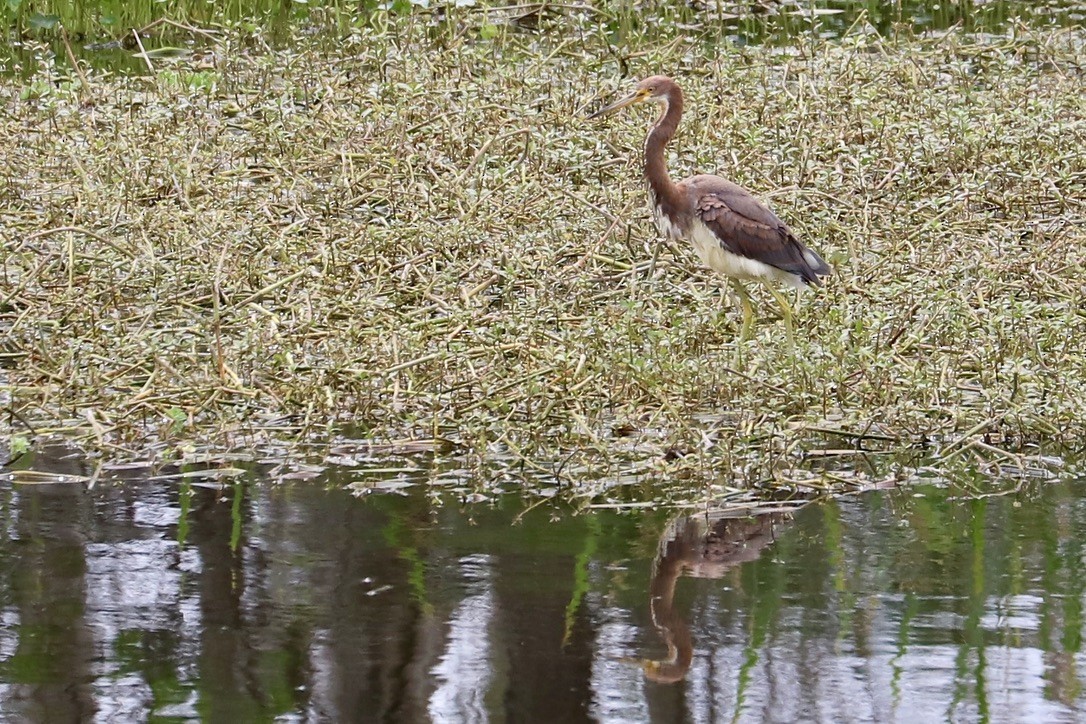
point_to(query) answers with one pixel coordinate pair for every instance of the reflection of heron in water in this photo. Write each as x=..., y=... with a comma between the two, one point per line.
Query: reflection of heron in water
x=702, y=546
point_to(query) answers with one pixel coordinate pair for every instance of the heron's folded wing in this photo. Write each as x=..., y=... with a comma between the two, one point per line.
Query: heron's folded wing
x=746, y=226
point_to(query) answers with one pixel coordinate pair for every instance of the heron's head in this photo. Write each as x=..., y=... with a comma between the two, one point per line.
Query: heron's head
x=657, y=88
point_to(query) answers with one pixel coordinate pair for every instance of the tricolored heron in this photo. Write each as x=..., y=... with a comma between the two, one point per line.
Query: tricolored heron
x=734, y=233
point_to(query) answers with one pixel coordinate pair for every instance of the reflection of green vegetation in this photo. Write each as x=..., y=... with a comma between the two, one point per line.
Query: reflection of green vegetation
x=45, y=587
x=766, y=583
x=580, y=574
x=236, y=516
x=396, y=534
x=908, y=612
x=1072, y=602
x=831, y=519
x=965, y=560
x=846, y=593
x=937, y=527
x=1064, y=566
x=184, y=505
x=977, y=599
x=218, y=705
x=152, y=654
x=31, y=663
x=1049, y=540
x=277, y=671
x=987, y=554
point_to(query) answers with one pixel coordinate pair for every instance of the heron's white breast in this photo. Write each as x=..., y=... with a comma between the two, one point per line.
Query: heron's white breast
x=664, y=225
x=717, y=258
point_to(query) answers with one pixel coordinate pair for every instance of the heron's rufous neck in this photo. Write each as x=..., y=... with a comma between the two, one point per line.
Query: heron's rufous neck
x=666, y=193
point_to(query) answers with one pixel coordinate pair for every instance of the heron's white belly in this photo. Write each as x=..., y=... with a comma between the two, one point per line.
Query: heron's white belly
x=732, y=265
x=717, y=258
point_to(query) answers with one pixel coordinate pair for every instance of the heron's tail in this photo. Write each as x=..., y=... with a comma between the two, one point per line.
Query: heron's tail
x=814, y=267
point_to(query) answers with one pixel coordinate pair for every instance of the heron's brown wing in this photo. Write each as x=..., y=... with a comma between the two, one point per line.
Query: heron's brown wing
x=745, y=226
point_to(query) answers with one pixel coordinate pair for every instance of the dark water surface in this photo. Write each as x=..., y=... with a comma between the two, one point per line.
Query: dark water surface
x=175, y=599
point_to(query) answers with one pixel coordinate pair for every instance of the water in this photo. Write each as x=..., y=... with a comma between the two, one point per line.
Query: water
x=101, y=33
x=175, y=599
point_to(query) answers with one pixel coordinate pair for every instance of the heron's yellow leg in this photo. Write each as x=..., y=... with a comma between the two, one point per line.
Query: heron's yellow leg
x=786, y=313
x=797, y=302
x=748, y=310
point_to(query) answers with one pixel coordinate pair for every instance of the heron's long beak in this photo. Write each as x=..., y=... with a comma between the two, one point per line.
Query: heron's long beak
x=634, y=97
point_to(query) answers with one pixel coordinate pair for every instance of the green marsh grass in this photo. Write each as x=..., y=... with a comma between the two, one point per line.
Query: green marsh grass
x=411, y=233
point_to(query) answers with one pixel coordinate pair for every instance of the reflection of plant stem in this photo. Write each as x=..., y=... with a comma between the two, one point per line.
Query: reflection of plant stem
x=973, y=634
x=416, y=567
x=831, y=518
x=184, y=503
x=976, y=612
x=750, y=658
x=764, y=609
x=1067, y=685
x=907, y=614
x=580, y=576
x=416, y=578
x=959, y=680
x=1050, y=546
x=235, y=516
